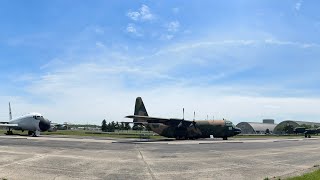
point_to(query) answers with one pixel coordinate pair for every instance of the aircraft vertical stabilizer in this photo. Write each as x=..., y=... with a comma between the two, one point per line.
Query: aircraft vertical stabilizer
x=139, y=108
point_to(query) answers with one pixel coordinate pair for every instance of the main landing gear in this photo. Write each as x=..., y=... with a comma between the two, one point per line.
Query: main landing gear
x=225, y=138
x=9, y=132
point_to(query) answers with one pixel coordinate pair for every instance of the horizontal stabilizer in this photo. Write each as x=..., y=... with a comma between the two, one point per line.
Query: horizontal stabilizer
x=134, y=122
x=8, y=125
x=147, y=118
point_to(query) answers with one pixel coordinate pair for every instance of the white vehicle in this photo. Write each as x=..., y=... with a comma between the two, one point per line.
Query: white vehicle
x=34, y=123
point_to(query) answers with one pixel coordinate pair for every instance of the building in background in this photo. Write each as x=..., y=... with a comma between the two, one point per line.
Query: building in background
x=288, y=126
x=266, y=127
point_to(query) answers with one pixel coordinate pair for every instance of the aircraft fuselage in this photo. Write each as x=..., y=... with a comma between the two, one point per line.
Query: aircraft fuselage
x=202, y=129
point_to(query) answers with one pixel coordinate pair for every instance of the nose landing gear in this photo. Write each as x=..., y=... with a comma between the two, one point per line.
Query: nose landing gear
x=34, y=133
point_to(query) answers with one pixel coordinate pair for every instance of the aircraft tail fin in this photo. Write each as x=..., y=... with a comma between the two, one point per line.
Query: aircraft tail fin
x=10, y=113
x=139, y=109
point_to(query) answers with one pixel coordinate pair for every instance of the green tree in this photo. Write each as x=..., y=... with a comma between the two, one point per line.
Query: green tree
x=104, y=126
x=117, y=126
x=137, y=127
x=127, y=126
x=122, y=126
x=112, y=126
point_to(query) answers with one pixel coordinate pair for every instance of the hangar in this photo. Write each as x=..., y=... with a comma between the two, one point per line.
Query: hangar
x=287, y=126
x=267, y=126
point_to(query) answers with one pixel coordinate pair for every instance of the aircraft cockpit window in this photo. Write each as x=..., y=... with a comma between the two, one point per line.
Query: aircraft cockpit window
x=229, y=123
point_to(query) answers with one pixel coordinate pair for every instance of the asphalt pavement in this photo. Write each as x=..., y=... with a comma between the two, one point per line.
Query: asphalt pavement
x=61, y=157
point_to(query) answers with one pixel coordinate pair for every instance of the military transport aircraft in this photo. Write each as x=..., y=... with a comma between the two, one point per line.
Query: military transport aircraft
x=31, y=122
x=181, y=128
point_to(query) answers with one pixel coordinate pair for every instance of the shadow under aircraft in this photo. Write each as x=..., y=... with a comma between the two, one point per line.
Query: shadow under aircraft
x=181, y=128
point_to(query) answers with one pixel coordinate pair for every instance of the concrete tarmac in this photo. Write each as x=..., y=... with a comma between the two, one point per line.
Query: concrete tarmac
x=60, y=157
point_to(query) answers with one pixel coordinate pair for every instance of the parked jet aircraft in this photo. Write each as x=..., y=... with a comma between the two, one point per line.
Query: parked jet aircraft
x=181, y=128
x=31, y=122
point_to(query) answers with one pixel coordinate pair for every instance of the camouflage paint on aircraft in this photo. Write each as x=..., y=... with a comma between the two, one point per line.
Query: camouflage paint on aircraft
x=183, y=129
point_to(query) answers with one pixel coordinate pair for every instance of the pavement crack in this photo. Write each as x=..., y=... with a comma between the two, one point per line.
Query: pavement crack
x=145, y=162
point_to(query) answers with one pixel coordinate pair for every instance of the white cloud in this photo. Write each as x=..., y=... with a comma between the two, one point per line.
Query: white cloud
x=100, y=44
x=134, y=15
x=166, y=37
x=104, y=85
x=132, y=29
x=173, y=26
x=298, y=5
x=291, y=43
x=99, y=30
x=143, y=14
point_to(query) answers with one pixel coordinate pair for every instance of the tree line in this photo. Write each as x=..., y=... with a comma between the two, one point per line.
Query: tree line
x=113, y=126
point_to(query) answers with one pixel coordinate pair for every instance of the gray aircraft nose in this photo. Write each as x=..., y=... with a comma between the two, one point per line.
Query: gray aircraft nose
x=44, y=124
x=236, y=131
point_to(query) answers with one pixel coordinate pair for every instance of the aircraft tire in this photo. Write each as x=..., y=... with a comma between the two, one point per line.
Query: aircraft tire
x=34, y=134
x=225, y=138
x=309, y=136
x=30, y=133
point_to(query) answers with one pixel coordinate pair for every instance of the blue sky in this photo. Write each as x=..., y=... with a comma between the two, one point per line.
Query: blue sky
x=81, y=62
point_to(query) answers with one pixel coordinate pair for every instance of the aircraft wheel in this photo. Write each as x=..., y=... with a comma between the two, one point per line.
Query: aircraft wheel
x=30, y=133
x=309, y=136
x=9, y=133
x=225, y=138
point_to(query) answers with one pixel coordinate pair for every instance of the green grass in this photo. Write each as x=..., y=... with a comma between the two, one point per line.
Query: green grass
x=120, y=134
x=309, y=176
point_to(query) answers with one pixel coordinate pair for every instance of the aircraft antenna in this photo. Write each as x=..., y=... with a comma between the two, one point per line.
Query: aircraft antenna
x=182, y=113
x=10, y=113
x=194, y=115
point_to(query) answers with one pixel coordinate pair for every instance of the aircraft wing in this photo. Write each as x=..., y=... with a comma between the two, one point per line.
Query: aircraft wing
x=9, y=125
x=148, y=119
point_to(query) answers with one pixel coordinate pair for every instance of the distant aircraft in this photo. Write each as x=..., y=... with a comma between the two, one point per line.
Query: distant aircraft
x=34, y=123
x=181, y=128
x=307, y=132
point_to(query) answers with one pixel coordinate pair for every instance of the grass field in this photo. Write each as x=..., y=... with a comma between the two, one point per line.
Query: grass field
x=309, y=176
x=120, y=134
